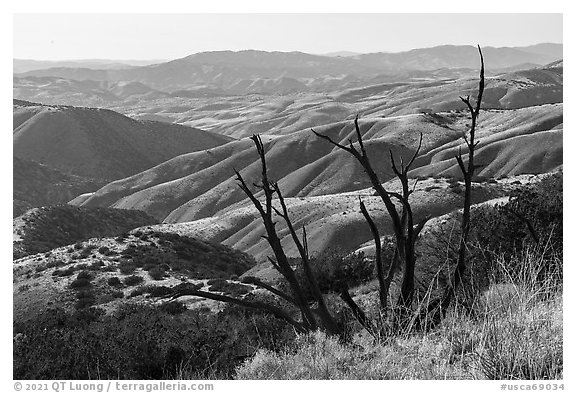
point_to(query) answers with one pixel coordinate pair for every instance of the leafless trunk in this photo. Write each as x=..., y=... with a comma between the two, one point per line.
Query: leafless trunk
x=402, y=224
x=438, y=309
x=468, y=173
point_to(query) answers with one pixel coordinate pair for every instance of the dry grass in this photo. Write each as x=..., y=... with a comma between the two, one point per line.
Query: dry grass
x=514, y=332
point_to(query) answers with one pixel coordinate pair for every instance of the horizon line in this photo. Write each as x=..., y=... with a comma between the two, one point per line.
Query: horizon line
x=280, y=51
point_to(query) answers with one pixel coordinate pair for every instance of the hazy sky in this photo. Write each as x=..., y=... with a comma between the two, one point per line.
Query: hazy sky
x=170, y=36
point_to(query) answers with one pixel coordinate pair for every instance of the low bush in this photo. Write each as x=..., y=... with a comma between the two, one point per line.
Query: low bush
x=133, y=280
x=114, y=282
x=157, y=273
x=126, y=267
x=80, y=283
x=85, y=298
x=173, y=308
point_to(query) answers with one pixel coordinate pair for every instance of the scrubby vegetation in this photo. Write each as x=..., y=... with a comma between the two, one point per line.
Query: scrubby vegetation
x=49, y=227
x=513, y=331
x=142, y=342
x=508, y=328
x=161, y=252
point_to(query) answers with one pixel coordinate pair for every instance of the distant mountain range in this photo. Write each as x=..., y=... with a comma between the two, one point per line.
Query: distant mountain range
x=225, y=69
x=24, y=65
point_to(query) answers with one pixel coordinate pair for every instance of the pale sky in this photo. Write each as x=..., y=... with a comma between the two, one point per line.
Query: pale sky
x=169, y=36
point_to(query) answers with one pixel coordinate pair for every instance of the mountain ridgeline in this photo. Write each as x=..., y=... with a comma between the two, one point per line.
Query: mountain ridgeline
x=240, y=71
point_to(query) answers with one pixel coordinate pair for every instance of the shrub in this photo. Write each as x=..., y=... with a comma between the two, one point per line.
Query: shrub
x=64, y=272
x=126, y=267
x=95, y=266
x=114, y=281
x=80, y=283
x=84, y=274
x=195, y=258
x=141, y=290
x=84, y=299
x=158, y=291
x=157, y=273
x=106, y=251
x=54, y=263
x=117, y=294
x=173, y=307
x=133, y=280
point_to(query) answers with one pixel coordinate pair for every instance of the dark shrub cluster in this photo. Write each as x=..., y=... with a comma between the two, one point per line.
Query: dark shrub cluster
x=186, y=255
x=532, y=218
x=157, y=273
x=84, y=298
x=133, y=280
x=142, y=342
x=114, y=282
x=82, y=280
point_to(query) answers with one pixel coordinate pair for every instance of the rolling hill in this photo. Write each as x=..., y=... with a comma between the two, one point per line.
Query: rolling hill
x=55, y=90
x=202, y=184
x=99, y=143
x=409, y=93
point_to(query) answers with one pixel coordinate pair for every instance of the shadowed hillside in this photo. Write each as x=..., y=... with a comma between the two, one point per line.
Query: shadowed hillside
x=37, y=185
x=99, y=143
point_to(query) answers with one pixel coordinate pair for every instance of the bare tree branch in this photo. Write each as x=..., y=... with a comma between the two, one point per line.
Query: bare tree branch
x=279, y=313
x=383, y=293
x=261, y=284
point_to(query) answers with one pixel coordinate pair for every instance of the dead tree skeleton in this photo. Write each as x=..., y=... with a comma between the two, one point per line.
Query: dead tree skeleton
x=437, y=310
x=405, y=232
